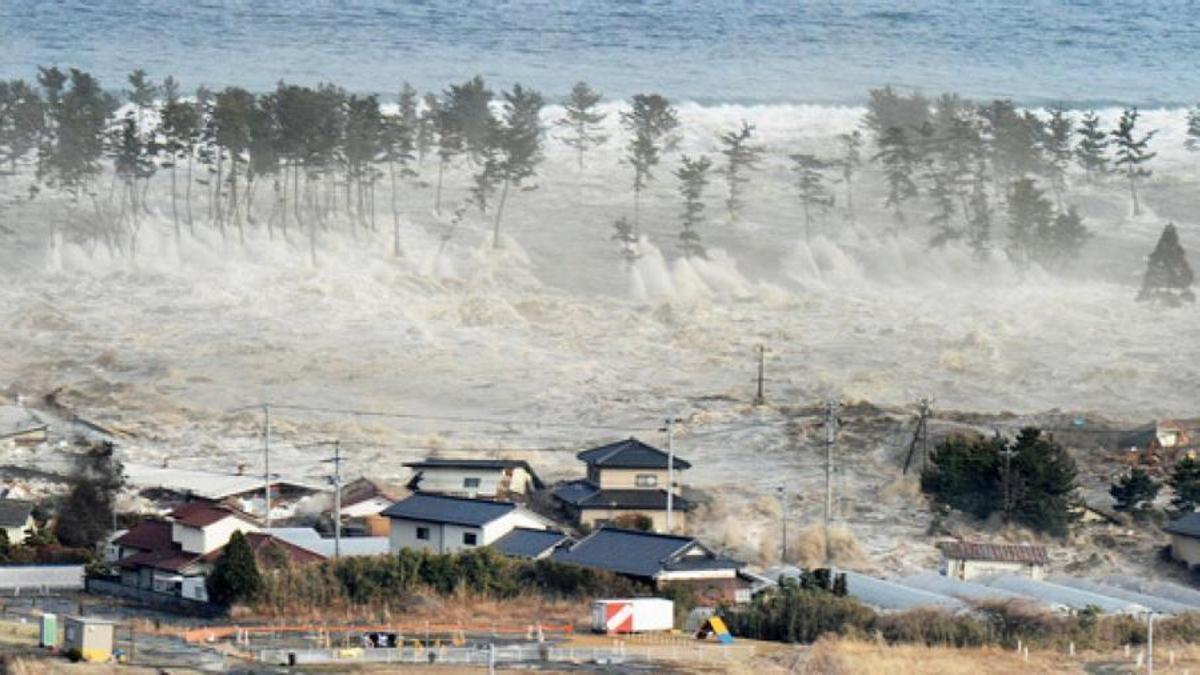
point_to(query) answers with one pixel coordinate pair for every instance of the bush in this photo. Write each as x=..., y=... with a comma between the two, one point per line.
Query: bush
x=792, y=613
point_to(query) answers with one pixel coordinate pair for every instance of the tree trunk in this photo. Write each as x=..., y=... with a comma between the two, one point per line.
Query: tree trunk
x=175, y=206
x=1137, y=209
x=187, y=197
x=499, y=213
x=437, y=199
x=395, y=212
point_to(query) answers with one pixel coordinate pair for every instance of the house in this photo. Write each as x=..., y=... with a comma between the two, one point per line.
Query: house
x=146, y=536
x=447, y=524
x=1185, y=539
x=16, y=519
x=1156, y=436
x=625, y=480
x=365, y=497
x=202, y=527
x=475, y=478
x=964, y=560
x=22, y=425
x=661, y=560
x=171, y=484
x=523, y=542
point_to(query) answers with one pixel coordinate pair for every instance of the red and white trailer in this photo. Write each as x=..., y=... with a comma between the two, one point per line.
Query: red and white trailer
x=632, y=615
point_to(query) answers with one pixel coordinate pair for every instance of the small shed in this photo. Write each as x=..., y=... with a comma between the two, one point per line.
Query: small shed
x=93, y=637
x=966, y=560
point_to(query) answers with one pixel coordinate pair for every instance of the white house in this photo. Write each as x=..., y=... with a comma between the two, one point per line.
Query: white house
x=448, y=524
x=484, y=478
x=203, y=527
x=965, y=560
x=16, y=519
x=366, y=497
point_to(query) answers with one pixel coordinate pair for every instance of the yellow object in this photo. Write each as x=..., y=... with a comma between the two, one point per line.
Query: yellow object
x=351, y=653
x=460, y=639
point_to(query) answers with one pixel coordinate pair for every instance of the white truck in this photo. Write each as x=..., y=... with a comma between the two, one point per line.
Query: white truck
x=633, y=615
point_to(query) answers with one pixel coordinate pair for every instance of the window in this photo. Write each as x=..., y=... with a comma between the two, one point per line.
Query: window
x=469, y=539
x=470, y=482
x=423, y=533
x=646, y=480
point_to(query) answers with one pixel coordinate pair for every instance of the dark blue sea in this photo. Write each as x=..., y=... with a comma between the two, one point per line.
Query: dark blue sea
x=1081, y=52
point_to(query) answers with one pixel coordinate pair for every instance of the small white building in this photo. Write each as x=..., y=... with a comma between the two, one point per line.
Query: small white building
x=965, y=560
x=203, y=527
x=474, y=478
x=449, y=524
x=1185, y=539
x=16, y=519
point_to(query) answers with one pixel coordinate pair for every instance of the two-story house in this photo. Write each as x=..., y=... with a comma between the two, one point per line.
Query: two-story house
x=626, y=481
x=449, y=524
x=474, y=478
x=16, y=519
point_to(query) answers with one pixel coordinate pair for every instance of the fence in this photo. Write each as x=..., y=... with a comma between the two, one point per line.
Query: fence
x=156, y=600
x=18, y=578
x=481, y=656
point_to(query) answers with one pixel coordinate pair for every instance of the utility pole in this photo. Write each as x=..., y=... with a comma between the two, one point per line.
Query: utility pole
x=782, y=489
x=760, y=397
x=336, y=460
x=670, y=429
x=267, y=464
x=1008, y=453
x=831, y=427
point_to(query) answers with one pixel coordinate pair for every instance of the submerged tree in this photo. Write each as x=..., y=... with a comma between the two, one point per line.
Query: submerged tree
x=1134, y=492
x=1132, y=152
x=627, y=239
x=1057, y=146
x=693, y=179
x=582, y=120
x=1168, y=277
x=741, y=156
x=651, y=120
x=899, y=161
x=399, y=143
x=178, y=125
x=22, y=121
x=1029, y=212
x=518, y=144
x=810, y=188
x=1192, y=142
x=979, y=224
x=1092, y=148
x=850, y=163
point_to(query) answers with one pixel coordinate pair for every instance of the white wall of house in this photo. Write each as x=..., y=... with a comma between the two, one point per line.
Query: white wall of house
x=449, y=538
x=596, y=517
x=210, y=538
x=973, y=569
x=623, y=479
x=194, y=588
x=1185, y=549
x=17, y=535
x=475, y=482
x=508, y=522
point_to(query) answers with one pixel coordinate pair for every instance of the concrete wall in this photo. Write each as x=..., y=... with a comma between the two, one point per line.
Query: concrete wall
x=41, y=576
x=162, y=601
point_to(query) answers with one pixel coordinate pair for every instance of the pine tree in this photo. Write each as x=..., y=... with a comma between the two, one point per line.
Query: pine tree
x=1063, y=239
x=1135, y=491
x=1014, y=139
x=1092, y=148
x=1168, y=276
x=627, y=239
x=740, y=156
x=693, y=179
x=979, y=226
x=810, y=188
x=1058, y=151
x=519, y=145
x=427, y=127
x=362, y=144
x=850, y=163
x=651, y=121
x=400, y=141
x=899, y=165
x=467, y=107
x=582, y=120
x=177, y=126
x=1042, y=483
x=1029, y=214
x=1185, y=483
x=1132, y=152
x=235, y=576
x=22, y=121
x=1193, y=130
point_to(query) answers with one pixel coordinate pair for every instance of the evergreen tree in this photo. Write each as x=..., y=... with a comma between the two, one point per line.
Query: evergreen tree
x=1185, y=483
x=449, y=141
x=979, y=227
x=1058, y=151
x=741, y=155
x=1193, y=130
x=651, y=121
x=1168, y=276
x=1135, y=491
x=899, y=166
x=22, y=121
x=427, y=127
x=132, y=161
x=235, y=576
x=810, y=188
x=582, y=120
x=1029, y=215
x=177, y=126
x=400, y=140
x=1063, y=239
x=850, y=163
x=1014, y=139
x=887, y=110
x=627, y=239
x=85, y=516
x=693, y=179
x=362, y=145
x=966, y=474
x=1092, y=149
x=467, y=107
x=1132, y=152
x=1042, y=483
x=519, y=145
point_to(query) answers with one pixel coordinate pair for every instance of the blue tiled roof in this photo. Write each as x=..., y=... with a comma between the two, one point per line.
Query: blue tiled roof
x=523, y=542
x=639, y=554
x=455, y=510
x=629, y=454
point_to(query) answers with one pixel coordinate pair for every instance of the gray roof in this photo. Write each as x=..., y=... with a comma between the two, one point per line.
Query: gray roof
x=630, y=454
x=483, y=464
x=640, y=554
x=889, y=595
x=309, y=539
x=524, y=542
x=582, y=494
x=14, y=512
x=454, y=510
x=1160, y=589
x=1163, y=605
x=1188, y=526
x=207, y=484
x=963, y=590
x=1064, y=595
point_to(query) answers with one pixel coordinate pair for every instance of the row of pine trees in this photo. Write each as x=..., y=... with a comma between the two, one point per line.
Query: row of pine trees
x=959, y=168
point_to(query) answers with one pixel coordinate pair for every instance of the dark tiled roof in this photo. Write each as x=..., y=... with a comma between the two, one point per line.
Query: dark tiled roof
x=582, y=494
x=148, y=535
x=486, y=464
x=1018, y=553
x=454, y=510
x=629, y=454
x=262, y=544
x=639, y=554
x=14, y=512
x=523, y=542
x=203, y=514
x=168, y=559
x=1188, y=525
x=362, y=489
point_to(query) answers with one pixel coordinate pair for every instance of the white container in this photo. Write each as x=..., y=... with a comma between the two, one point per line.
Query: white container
x=632, y=615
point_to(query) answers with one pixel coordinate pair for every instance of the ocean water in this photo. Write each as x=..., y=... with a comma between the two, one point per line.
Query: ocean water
x=1078, y=52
